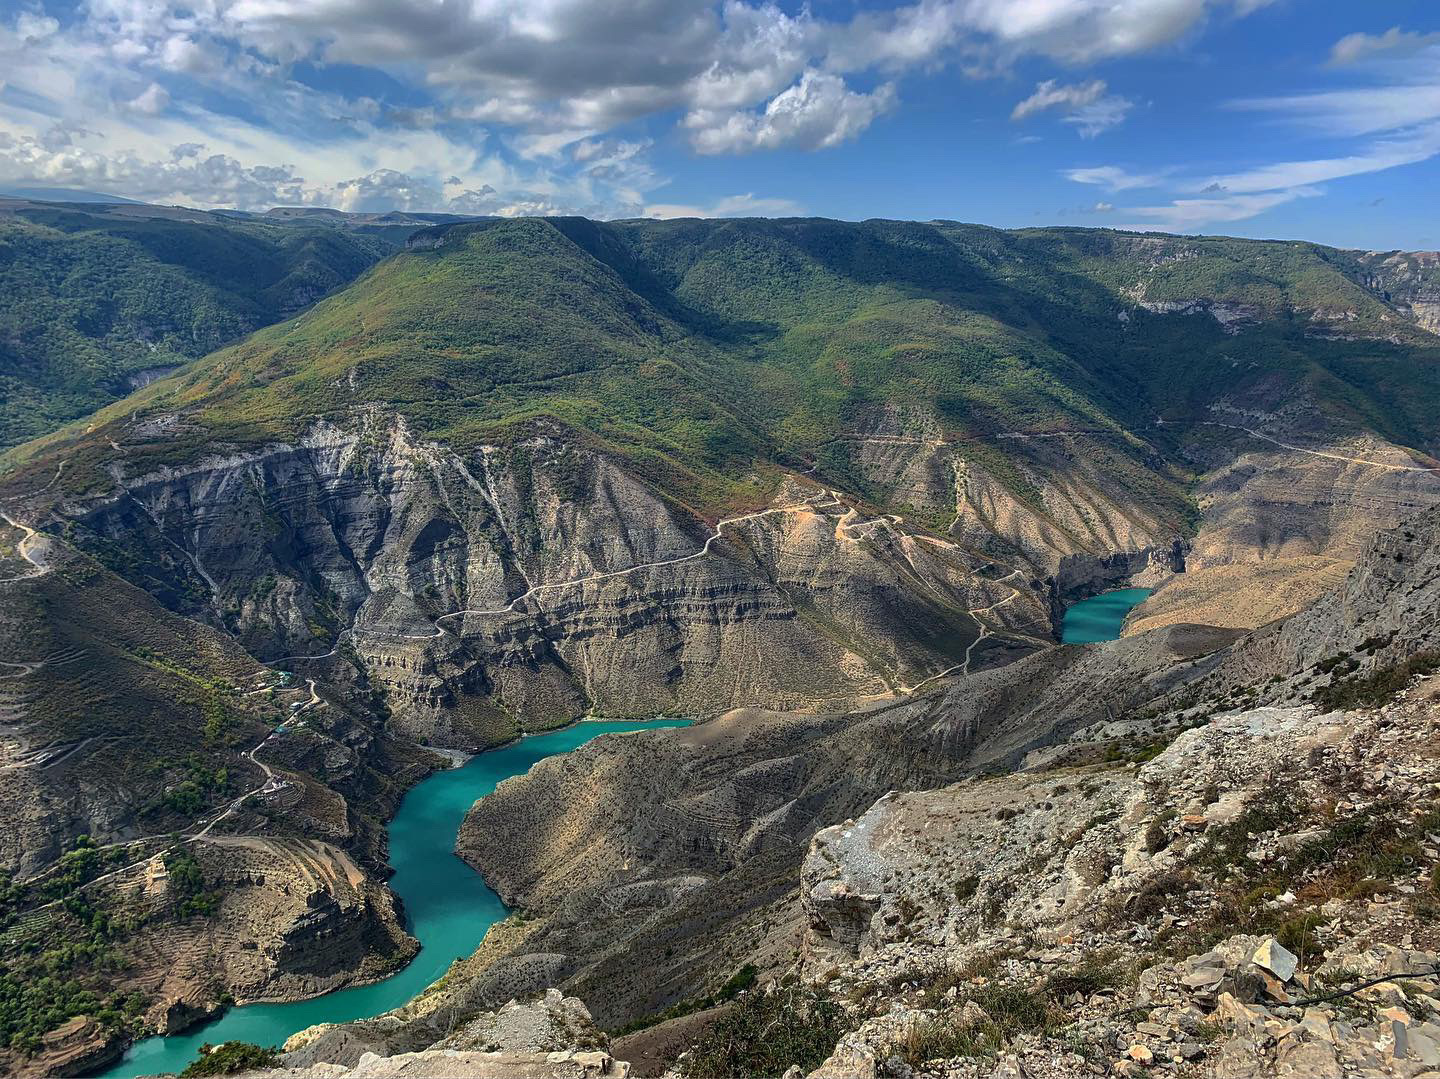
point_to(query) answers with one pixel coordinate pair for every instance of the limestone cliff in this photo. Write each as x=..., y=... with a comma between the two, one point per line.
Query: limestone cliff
x=529, y=585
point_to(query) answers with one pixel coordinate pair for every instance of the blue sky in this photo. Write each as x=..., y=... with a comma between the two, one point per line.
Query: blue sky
x=1287, y=118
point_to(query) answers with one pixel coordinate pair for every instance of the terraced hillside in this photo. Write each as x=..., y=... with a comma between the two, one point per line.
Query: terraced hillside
x=132, y=742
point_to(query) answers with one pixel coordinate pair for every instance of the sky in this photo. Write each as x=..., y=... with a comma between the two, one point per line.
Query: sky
x=1313, y=119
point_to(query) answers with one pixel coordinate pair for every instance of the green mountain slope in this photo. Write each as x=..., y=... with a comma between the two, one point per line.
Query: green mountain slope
x=706, y=352
x=94, y=301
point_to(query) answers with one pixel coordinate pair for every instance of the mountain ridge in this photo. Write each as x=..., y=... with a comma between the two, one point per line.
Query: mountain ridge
x=527, y=471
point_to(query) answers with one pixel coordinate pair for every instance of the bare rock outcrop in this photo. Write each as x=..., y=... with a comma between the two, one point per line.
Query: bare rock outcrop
x=1075, y=889
x=455, y=1064
x=550, y=1037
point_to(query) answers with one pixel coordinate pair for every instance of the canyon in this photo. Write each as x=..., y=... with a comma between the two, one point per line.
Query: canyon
x=832, y=512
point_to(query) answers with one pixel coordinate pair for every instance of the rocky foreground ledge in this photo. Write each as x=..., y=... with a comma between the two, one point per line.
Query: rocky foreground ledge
x=552, y=1037
x=1261, y=898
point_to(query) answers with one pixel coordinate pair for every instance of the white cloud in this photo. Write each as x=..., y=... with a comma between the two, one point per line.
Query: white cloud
x=1353, y=48
x=819, y=111
x=1050, y=94
x=1392, y=123
x=152, y=101
x=186, y=174
x=1420, y=145
x=498, y=94
x=730, y=206
x=1082, y=31
x=1194, y=214
x=1090, y=120
x=1085, y=105
x=1115, y=178
x=1365, y=111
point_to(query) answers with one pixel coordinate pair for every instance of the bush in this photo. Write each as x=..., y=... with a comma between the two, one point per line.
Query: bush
x=229, y=1058
x=765, y=1033
x=1010, y=1010
x=965, y=888
x=1377, y=687
x=187, y=885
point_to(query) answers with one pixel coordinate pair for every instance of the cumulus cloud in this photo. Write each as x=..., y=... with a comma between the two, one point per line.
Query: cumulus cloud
x=1082, y=31
x=154, y=99
x=499, y=96
x=386, y=189
x=817, y=112
x=188, y=174
x=1085, y=105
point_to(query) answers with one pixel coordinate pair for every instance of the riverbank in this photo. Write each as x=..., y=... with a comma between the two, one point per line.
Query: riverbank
x=448, y=906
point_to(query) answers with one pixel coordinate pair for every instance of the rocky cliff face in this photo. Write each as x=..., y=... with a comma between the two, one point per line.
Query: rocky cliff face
x=294, y=918
x=1409, y=280
x=1383, y=616
x=1282, y=518
x=1062, y=506
x=534, y=584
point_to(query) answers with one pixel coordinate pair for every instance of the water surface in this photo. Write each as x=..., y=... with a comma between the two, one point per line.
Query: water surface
x=447, y=904
x=1100, y=618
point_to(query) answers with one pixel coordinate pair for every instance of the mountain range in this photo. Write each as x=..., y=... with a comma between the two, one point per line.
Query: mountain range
x=407, y=486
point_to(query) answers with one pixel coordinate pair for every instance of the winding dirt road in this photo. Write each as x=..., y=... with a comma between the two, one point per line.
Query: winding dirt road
x=821, y=501
x=271, y=782
x=25, y=549
x=1318, y=453
x=846, y=528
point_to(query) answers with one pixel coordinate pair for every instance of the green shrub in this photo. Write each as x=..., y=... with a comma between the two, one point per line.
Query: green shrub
x=187, y=885
x=1377, y=687
x=1010, y=1010
x=765, y=1033
x=229, y=1058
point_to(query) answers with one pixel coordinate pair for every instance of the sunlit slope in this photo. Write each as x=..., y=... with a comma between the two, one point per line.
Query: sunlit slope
x=707, y=353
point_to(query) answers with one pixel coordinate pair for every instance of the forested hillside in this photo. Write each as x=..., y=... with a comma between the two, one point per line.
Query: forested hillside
x=96, y=301
x=703, y=350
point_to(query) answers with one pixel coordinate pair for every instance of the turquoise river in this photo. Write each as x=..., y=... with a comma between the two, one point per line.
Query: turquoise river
x=447, y=903
x=1100, y=618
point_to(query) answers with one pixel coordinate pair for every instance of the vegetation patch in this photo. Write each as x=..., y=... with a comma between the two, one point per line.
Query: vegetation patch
x=741, y=981
x=1376, y=688
x=187, y=885
x=60, y=962
x=765, y=1033
x=229, y=1058
x=1009, y=1008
